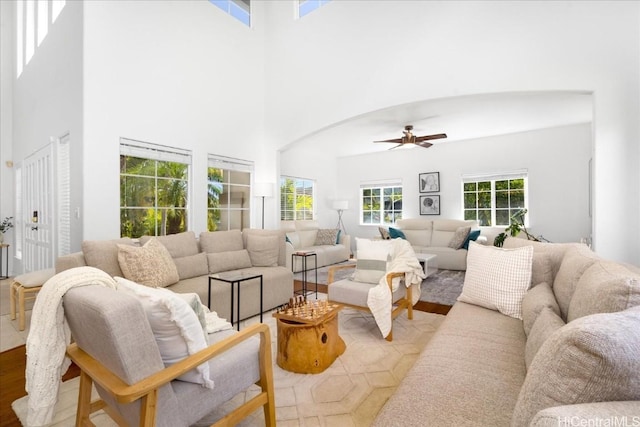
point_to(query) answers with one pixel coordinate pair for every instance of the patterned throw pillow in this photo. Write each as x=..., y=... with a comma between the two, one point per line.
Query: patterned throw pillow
x=326, y=236
x=459, y=237
x=384, y=233
x=149, y=265
x=371, y=263
x=497, y=278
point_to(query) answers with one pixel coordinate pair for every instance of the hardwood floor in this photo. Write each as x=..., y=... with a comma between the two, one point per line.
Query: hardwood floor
x=12, y=368
x=13, y=365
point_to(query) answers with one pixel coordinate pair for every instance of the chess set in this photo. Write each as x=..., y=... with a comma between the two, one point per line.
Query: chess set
x=303, y=311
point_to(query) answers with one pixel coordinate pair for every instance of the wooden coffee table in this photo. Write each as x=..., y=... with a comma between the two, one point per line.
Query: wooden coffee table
x=308, y=339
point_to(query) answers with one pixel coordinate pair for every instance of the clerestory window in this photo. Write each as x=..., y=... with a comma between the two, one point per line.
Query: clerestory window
x=239, y=9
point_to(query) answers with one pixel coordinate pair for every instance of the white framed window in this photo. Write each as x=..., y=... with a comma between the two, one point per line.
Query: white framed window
x=305, y=7
x=228, y=193
x=239, y=9
x=154, y=189
x=380, y=203
x=296, y=198
x=492, y=199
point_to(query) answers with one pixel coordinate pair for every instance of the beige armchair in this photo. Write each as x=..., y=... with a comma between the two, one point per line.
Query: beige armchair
x=115, y=350
x=354, y=294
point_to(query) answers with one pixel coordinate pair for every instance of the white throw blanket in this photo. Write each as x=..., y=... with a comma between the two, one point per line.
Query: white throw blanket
x=49, y=336
x=379, y=299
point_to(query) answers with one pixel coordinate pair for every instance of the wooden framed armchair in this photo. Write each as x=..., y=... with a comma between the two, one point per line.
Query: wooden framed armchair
x=116, y=350
x=354, y=294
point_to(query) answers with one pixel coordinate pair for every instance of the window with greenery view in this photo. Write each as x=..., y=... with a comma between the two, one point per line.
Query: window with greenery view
x=228, y=199
x=296, y=198
x=492, y=202
x=381, y=205
x=153, y=191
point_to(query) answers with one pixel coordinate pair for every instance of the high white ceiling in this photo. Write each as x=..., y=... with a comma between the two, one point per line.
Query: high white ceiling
x=461, y=118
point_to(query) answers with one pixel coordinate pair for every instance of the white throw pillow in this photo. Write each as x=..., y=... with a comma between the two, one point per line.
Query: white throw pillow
x=497, y=278
x=175, y=326
x=372, y=257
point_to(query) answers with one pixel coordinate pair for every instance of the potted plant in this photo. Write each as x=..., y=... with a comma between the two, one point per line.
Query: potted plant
x=5, y=226
x=516, y=226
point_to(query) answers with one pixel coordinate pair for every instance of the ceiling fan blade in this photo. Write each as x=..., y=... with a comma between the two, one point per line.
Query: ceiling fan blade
x=430, y=137
x=424, y=144
x=396, y=140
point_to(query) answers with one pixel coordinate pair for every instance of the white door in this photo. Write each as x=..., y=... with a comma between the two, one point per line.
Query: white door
x=37, y=209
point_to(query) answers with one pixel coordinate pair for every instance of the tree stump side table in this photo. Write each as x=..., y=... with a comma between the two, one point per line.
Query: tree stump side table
x=308, y=347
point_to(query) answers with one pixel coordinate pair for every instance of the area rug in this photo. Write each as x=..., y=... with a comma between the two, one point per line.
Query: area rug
x=349, y=393
x=442, y=287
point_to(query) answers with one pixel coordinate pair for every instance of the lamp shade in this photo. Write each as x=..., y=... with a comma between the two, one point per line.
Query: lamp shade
x=263, y=189
x=340, y=205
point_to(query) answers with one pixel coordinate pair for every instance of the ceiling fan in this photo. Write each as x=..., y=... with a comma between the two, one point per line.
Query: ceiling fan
x=410, y=138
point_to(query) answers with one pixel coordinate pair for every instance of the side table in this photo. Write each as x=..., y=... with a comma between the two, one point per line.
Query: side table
x=234, y=278
x=429, y=262
x=6, y=274
x=304, y=256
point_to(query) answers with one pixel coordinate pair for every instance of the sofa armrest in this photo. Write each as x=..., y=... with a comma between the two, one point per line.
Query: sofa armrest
x=345, y=240
x=289, y=251
x=587, y=413
x=67, y=262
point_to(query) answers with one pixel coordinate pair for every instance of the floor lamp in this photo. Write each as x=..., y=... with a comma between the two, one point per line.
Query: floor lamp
x=340, y=206
x=263, y=189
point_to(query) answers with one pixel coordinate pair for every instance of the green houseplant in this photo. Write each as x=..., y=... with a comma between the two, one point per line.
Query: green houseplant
x=516, y=226
x=5, y=226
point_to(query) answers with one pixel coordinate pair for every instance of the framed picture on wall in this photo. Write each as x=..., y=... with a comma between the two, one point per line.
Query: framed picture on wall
x=430, y=205
x=429, y=182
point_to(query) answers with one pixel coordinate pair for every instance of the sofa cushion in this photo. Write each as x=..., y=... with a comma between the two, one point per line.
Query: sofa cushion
x=384, y=233
x=497, y=278
x=372, y=257
x=534, y=301
x=574, y=263
x=226, y=261
x=175, y=326
x=326, y=236
x=545, y=325
x=395, y=233
x=149, y=265
x=221, y=241
x=280, y=238
x=192, y=265
x=263, y=250
x=605, y=287
x=592, y=359
x=179, y=245
x=541, y=268
x=103, y=254
x=472, y=237
x=459, y=237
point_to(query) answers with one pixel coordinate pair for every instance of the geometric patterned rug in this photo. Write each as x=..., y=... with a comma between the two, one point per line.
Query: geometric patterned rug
x=349, y=393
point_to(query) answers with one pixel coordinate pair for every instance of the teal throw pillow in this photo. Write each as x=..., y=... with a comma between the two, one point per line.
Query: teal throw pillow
x=395, y=233
x=338, y=237
x=473, y=235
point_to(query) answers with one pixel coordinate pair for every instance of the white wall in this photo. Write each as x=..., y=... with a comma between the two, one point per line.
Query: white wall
x=353, y=57
x=47, y=100
x=556, y=160
x=175, y=73
x=7, y=72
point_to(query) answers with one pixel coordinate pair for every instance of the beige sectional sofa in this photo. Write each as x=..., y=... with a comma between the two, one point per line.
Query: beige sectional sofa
x=250, y=252
x=308, y=236
x=433, y=237
x=573, y=359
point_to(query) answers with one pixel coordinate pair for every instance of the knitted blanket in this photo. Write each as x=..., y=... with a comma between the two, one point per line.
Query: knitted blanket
x=48, y=339
x=379, y=299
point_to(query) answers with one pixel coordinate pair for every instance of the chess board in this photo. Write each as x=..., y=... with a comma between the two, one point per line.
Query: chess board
x=310, y=312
